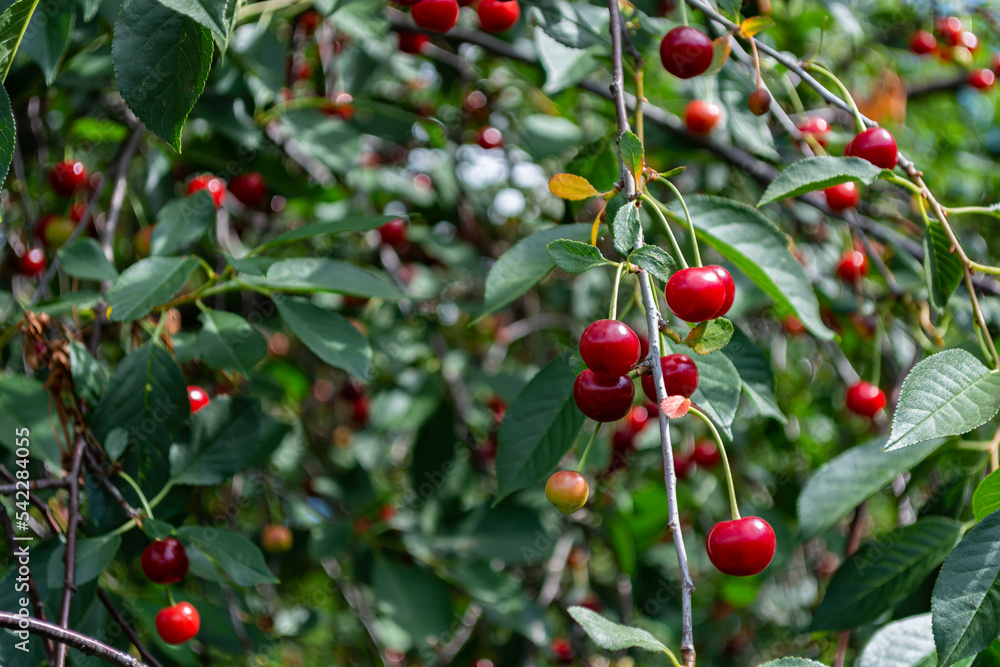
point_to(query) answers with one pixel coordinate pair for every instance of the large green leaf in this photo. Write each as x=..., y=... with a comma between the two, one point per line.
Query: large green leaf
x=181, y=223
x=24, y=404
x=414, y=599
x=942, y=267
x=655, y=260
x=329, y=335
x=793, y=662
x=13, y=23
x=236, y=556
x=92, y=556
x=334, y=143
x=146, y=284
x=209, y=13
x=353, y=224
x=948, y=393
x=7, y=133
x=884, y=572
x=845, y=481
x=223, y=439
x=756, y=375
x=89, y=377
x=85, y=259
x=227, y=341
x=614, y=636
x=986, y=499
x=434, y=449
x=904, y=643
x=319, y=274
x=718, y=393
x=47, y=36
x=576, y=256
x=623, y=219
x=564, y=66
x=521, y=267
x=162, y=60
x=817, y=173
x=757, y=247
x=539, y=427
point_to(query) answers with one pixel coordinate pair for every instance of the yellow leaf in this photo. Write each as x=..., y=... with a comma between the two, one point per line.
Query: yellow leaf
x=752, y=26
x=570, y=186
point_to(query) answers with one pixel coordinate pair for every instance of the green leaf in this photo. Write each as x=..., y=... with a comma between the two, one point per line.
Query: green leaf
x=434, y=449
x=624, y=218
x=162, y=60
x=331, y=141
x=319, y=274
x=156, y=529
x=948, y=393
x=631, y=151
x=227, y=341
x=572, y=24
x=235, y=555
x=564, y=66
x=414, y=599
x=209, y=13
x=942, y=268
x=224, y=436
x=758, y=248
x=13, y=23
x=576, y=256
x=329, y=335
x=818, y=173
x=614, y=636
x=146, y=284
x=655, y=260
x=597, y=163
x=986, y=499
x=85, y=259
x=181, y=223
x=48, y=35
x=710, y=336
x=88, y=376
x=965, y=605
x=353, y=224
x=756, y=375
x=904, y=643
x=539, y=427
x=7, y=133
x=24, y=404
x=718, y=393
x=844, y=482
x=527, y=262
x=92, y=556
x=793, y=662
x=884, y=572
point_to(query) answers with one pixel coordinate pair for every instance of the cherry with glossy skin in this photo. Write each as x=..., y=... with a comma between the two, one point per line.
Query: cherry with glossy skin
x=949, y=28
x=865, y=399
x=759, y=102
x=214, y=185
x=727, y=280
x=198, y=398
x=436, y=15
x=67, y=177
x=686, y=52
x=817, y=127
x=394, y=232
x=680, y=377
x=250, y=189
x=609, y=347
x=706, y=454
x=876, y=145
x=982, y=79
x=698, y=293
x=603, y=398
x=276, y=538
x=969, y=41
x=741, y=547
x=637, y=419
x=165, y=561
x=412, y=42
x=853, y=266
x=32, y=262
x=178, y=624
x=701, y=116
x=498, y=15
x=843, y=196
x=490, y=137
x=567, y=490
x=923, y=42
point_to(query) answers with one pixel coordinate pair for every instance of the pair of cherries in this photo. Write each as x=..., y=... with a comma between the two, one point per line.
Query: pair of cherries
x=442, y=15
x=700, y=293
x=604, y=392
x=876, y=144
x=165, y=562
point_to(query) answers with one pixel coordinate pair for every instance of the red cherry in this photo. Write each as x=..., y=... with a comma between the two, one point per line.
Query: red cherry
x=727, y=280
x=562, y=650
x=759, y=102
x=995, y=62
x=32, y=262
x=412, y=42
x=609, y=347
x=302, y=70
x=250, y=189
x=950, y=29
x=843, y=196
x=67, y=177
x=922, y=42
x=198, y=398
x=968, y=40
x=436, y=15
x=638, y=418
x=498, y=15
x=490, y=137
x=567, y=490
x=603, y=398
x=982, y=79
x=701, y=116
x=706, y=454
x=394, y=232
x=680, y=377
x=865, y=399
x=360, y=408
x=817, y=127
x=684, y=465
x=309, y=20
x=341, y=106
x=742, y=547
x=696, y=294
x=178, y=624
x=875, y=145
x=215, y=186
x=853, y=266
x=686, y=52
x=165, y=561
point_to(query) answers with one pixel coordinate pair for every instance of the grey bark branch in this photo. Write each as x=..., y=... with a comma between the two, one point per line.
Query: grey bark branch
x=64, y=637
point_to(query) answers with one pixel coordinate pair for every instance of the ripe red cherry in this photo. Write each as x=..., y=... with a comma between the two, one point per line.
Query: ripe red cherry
x=843, y=196
x=609, y=347
x=983, y=79
x=603, y=398
x=393, y=232
x=742, y=547
x=969, y=41
x=950, y=29
x=727, y=280
x=498, y=15
x=853, y=266
x=680, y=377
x=250, y=189
x=817, y=127
x=32, y=262
x=875, y=145
x=567, y=490
x=340, y=106
x=638, y=418
x=686, y=52
x=923, y=42
x=67, y=177
x=697, y=294
x=490, y=137
x=198, y=398
x=165, y=561
x=213, y=184
x=412, y=42
x=178, y=624
x=562, y=650
x=436, y=15
x=706, y=454
x=701, y=116
x=865, y=399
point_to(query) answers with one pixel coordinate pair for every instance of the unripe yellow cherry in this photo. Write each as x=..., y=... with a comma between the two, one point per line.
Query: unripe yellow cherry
x=567, y=491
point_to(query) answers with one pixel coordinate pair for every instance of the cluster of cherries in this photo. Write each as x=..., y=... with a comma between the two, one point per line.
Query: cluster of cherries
x=953, y=43
x=442, y=15
x=66, y=178
x=165, y=562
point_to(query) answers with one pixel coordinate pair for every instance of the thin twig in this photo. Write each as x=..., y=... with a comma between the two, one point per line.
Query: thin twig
x=64, y=637
x=36, y=599
x=37, y=485
x=127, y=629
x=69, y=558
x=36, y=501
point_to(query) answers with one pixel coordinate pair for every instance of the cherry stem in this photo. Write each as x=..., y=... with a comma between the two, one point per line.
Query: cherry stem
x=170, y=596
x=135, y=487
x=586, y=451
x=684, y=13
x=756, y=60
x=992, y=210
x=690, y=222
x=655, y=205
x=860, y=119
x=613, y=314
x=877, y=353
x=725, y=460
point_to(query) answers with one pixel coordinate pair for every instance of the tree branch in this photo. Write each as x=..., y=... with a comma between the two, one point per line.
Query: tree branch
x=36, y=599
x=64, y=637
x=127, y=629
x=69, y=558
